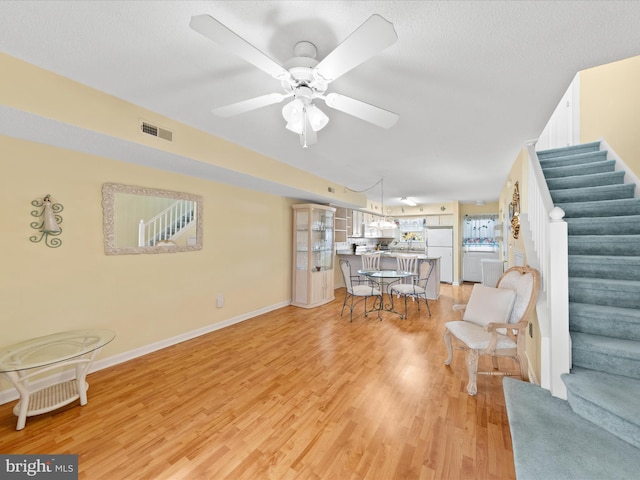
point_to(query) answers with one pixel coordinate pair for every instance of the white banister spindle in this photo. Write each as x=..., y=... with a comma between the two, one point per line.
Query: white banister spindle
x=550, y=244
x=168, y=224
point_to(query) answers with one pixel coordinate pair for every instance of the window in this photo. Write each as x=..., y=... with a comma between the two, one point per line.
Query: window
x=480, y=230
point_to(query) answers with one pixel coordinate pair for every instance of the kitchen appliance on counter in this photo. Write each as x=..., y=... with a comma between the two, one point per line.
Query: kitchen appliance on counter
x=440, y=244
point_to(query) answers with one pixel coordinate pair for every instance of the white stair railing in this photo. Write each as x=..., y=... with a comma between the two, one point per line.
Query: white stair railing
x=550, y=248
x=169, y=224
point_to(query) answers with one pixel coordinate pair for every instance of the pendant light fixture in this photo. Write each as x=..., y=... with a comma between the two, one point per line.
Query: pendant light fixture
x=382, y=224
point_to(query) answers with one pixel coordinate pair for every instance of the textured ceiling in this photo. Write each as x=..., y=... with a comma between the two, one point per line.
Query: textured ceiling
x=471, y=81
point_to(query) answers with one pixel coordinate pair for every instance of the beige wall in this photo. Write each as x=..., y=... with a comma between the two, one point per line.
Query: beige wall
x=144, y=298
x=609, y=108
x=519, y=173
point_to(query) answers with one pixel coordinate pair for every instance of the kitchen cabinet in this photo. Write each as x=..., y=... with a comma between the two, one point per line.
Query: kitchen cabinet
x=313, y=237
x=357, y=220
x=342, y=224
x=439, y=220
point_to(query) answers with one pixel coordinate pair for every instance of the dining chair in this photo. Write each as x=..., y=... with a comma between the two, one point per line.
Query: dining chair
x=407, y=263
x=370, y=261
x=495, y=323
x=354, y=290
x=417, y=289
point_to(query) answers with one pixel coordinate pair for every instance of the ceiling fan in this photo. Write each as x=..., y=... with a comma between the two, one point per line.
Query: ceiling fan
x=305, y=79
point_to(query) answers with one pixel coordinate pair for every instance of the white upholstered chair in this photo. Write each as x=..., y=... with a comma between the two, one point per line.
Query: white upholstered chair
x=417, y=289
x=354, y=290
x=495, y=323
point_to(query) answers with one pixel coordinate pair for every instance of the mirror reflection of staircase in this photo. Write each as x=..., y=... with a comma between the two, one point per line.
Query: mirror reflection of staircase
x=167, y=225
x=596, y=432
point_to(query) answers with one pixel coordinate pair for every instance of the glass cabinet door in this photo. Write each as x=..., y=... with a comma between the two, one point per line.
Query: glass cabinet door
x=302, y=239
x=322, y=239
x=314, y=239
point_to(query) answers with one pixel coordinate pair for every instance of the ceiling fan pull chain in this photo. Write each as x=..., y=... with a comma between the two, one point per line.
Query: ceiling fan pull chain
x=304, y=126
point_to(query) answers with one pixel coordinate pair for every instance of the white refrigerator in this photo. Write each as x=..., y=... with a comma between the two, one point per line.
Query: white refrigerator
x=440, y=244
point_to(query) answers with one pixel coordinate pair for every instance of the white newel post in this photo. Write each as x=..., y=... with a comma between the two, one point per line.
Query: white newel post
x=560, y=361
x=141, y=228
x=550, y=250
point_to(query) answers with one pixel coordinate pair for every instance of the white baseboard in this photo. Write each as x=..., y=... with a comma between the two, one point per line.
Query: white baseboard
x=11, y=394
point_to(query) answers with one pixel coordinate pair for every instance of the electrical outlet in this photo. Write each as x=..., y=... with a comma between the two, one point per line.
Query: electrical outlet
x=220, y=301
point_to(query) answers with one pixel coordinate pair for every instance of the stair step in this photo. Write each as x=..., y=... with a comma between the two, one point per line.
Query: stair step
x=609, y=245
x=615, y=293
x=606, y=321
x=606, y=354
x=576, y=159
x=603, y=208
x=585, y=194
x=564, y=151
x=582, y=181
x=609, y=267
x=550, y=441
x=621, y=225
x=573, y=170
x=609, y=401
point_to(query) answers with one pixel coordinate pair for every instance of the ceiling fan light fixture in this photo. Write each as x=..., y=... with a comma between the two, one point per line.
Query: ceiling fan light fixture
x=317, y=118
x=296, y=113
x=293, y=114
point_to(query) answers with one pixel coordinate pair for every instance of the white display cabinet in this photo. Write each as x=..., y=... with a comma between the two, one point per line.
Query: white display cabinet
x=313, y=252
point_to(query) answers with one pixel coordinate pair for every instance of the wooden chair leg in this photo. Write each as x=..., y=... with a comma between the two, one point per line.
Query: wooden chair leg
x=472, y=370
x=494, y=362
x=447, y=343
x=524, y=367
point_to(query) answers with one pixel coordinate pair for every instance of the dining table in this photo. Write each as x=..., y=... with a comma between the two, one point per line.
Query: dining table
x=386, y=278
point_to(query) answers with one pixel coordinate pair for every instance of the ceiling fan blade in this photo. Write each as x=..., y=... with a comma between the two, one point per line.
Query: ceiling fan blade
x=376, y=115
x=221, y=35
x=373, y=36
x=250, y=104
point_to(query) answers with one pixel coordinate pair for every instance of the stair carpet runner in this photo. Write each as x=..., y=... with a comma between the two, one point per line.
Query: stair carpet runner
x=596, y=432
x=603, y=220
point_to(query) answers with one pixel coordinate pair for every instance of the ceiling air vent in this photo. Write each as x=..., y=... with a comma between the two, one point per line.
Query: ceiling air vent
x=157, y=131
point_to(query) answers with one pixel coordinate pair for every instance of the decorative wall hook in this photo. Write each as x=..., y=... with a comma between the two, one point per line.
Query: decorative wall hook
x=514, y=212
x=49, y=227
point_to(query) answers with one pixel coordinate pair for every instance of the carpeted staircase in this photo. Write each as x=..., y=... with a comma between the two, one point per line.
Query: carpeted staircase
x=604, y=298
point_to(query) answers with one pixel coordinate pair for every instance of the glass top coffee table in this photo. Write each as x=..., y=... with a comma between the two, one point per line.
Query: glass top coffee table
x=21, y=362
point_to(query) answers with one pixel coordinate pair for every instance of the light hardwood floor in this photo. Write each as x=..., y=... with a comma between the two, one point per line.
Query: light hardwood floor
x=292, y=394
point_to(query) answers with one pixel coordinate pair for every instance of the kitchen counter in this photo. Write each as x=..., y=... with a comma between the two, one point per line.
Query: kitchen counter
x=388, y=262
x=389, y=253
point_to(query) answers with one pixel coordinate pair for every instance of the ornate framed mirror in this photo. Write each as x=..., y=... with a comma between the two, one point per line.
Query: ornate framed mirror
x=148, y=220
